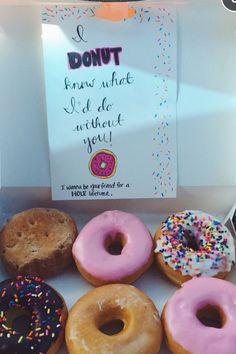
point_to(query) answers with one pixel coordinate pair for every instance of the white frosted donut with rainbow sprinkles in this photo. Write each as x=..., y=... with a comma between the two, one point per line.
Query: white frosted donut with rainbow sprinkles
x=192, y=244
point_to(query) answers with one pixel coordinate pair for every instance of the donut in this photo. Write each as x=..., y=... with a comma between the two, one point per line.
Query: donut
x=103, y=164
x=193, y=243
x=37, y=242
x=201, y=317
x=32, y=317
x=114, y=319
x=113, y=247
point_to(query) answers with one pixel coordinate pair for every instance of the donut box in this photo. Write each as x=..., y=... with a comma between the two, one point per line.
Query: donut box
x=230, y=220
x=73, y=286
x=206, y=111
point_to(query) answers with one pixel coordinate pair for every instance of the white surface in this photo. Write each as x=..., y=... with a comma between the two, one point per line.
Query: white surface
x=72, y=286
x=206, y=121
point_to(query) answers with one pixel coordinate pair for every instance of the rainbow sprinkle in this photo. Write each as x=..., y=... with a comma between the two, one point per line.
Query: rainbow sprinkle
x=29, y=293
x=196, y=244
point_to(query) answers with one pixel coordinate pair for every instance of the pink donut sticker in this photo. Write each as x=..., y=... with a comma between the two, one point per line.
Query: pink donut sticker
x=103, y=164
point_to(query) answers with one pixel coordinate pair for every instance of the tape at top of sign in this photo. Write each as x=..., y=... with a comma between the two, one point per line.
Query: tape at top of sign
x=114, y=11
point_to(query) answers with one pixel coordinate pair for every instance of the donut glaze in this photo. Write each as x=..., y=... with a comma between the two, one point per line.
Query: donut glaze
x=47, y=315
x=183, y=327
x=207, y=249
x=142, y=330
x=103, y=164
x=93, y=259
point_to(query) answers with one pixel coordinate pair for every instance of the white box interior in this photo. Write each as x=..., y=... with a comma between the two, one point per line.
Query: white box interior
x=206, y=126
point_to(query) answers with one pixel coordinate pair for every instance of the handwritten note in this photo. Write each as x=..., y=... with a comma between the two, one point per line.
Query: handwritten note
x=111, y=102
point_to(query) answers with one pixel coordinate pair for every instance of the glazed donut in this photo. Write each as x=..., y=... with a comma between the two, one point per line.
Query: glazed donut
x=193, y=243
x=32, y=317
x=201, y=317
x=93, y=248
x=103, y=164
x=114, y=319
x=37, y=242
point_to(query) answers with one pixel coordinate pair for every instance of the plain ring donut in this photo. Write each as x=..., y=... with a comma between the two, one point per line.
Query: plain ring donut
x=114, y=319
x=113, y=247
x=201, y=317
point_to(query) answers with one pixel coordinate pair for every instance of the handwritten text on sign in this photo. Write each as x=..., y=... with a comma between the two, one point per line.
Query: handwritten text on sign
x=111, y=103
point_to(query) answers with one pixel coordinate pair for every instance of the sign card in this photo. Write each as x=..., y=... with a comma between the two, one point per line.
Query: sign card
x=111, y=102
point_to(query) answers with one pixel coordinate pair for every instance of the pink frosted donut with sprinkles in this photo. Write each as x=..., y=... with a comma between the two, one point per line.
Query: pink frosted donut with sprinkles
x=193, y=244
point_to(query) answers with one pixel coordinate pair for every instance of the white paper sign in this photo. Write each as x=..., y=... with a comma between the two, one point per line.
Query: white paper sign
x=111, y=101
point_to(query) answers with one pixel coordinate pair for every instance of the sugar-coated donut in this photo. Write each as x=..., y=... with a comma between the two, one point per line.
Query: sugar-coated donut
x=92, y=325
x=91, y=248
x=193, y=243
x=103, y=164
x=200, y=318
x=32, y=317
x=37, y=242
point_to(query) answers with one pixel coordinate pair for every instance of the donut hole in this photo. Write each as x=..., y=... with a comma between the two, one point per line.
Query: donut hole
x=112, y=319
x=19, y=320
x=115, y=245
x=19, y=234
x=112, y=327
x=190, y=241
x=103, y=164
x=211, y=316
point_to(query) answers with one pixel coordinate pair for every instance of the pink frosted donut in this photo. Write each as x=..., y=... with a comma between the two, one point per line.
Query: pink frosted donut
x=200, y=318
x=103, y=164
x=113, y=247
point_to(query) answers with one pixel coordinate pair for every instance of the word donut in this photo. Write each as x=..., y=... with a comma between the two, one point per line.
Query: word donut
x=201, y=317
x=94, y=57
x=32, y=317
x=103, y=164
x=193, y=243
x=115, y=318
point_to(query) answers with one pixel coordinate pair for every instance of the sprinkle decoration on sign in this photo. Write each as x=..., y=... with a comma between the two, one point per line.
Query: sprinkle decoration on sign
x=63, y=13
